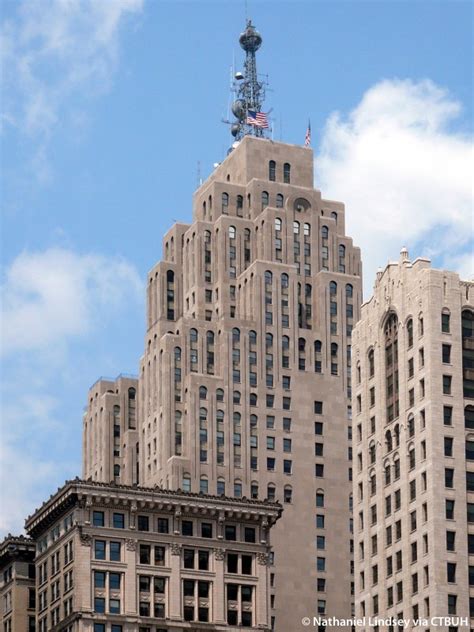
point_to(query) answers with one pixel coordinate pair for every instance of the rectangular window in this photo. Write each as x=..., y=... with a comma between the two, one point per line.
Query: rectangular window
x=447, y=380
x=119, y=521
x=448, y=415
x=115, y=551
x=98, y=518
x=187, y=527
x=143, y=523
x=448, y=477
x=99, y=550
x=318, y=408
x=448, y=446
x=446, y=354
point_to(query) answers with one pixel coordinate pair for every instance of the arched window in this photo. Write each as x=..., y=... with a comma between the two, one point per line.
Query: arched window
x=397, y=435
x=268, y=277
x=265, y=199
x=235, y=335
x=186, y=482
x=391, y=367
x=334, y=216
x=318, y=359
x=253, y=399
x=177, y=354
x=277, y=224
x=287, y=494
x=269, y=340
x=193, y=335
x=232, y=232
x=349, y=290
x=372, y=454
x=247, y=234
x=284, y=280
x=287, y=173
x=271, y=489
x=204, y=209
x=285, y=342
x=203, y=485
x=296, y=228
x=467, y=333
x=279, y=200
x=410, y=333
x=240, y=204
x=324, y=232
x=225, y=202
x=220, y=395
x=371, y=358
x=252, y=338
x=333, y=288
x=272, y=171
x=210, y=337
x=207, y=236
x=342, y=258
x=132, y=393
x=170, y=295
x=307, y=229
x=301, y=354
x=334, y=359
x=202, y=392
x=387, y=473
x=388, y=441
x=116, y=470
x=236, y=397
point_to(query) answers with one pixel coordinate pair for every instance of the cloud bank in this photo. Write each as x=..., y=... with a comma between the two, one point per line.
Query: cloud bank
x=404, y=175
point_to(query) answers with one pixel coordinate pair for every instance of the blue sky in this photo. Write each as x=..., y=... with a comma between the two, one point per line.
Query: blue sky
x=108, y=106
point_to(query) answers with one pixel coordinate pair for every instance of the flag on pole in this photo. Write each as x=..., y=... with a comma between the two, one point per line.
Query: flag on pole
x=307, y=139
x=259, y=119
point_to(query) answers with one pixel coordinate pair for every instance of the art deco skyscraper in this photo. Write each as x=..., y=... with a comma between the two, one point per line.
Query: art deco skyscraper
x=413, y=390
x=245, y=381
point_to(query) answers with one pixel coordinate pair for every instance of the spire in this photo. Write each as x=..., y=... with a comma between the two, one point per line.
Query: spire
x=249, y=91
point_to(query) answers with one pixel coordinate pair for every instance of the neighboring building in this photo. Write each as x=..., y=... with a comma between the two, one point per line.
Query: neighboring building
x=110, y=436
x=115, y=558
x=413, y=432
x=17, y=588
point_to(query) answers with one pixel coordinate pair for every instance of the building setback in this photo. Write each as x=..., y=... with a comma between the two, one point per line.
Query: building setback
x=413, y=390
x=110, y=435
x=116, y=558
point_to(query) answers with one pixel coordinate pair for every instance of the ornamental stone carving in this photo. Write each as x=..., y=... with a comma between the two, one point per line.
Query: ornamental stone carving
x=175, y=548
x=86, y=539
x=131, y=544
x=263, y=559
x=219, y=554
x=133, y=507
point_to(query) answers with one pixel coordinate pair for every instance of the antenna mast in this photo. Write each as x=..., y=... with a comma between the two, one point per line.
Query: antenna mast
x=248, y=90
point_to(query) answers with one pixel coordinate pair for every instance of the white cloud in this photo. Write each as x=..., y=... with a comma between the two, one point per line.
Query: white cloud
x=56, y=55
x=50, y=296
x=57, y=305
x=403, y=174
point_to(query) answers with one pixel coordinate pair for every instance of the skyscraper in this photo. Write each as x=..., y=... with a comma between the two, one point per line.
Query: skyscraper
x=413, y=390
x=245, y=380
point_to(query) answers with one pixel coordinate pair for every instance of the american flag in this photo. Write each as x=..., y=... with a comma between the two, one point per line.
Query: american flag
x=259, y=119
x=307, y=139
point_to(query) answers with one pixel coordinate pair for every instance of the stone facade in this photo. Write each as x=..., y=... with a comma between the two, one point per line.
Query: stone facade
x=413, y=433
x=110, y=435
x=17, y=587
x=245, y=381
x=116, y=558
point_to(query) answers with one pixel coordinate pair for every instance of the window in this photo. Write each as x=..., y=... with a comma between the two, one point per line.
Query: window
x=187, y=527
x=225, y=202
x=448, y=446
x=449, y=509
x=279, y=200
x=447, y=415
x=446, y=354
x=118, y=521
x=265, y=199
x=286, y=173
x=98, y=518
x=445, y=322
x=143, y=523
x=272, y=171
x=99, y=550
x=447, y=380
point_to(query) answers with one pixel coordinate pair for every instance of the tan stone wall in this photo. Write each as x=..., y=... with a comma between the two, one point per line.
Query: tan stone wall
x=218, y=284
x=417, y=292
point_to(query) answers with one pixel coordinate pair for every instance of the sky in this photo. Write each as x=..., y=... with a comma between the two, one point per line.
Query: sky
x=111, y=111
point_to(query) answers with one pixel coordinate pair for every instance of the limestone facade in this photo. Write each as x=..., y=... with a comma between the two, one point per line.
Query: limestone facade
x=116, y=558
x=17, y=584
x=245, y=380
x=413, y=433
